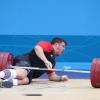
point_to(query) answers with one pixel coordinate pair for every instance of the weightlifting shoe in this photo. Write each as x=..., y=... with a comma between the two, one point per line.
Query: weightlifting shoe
x=5, y=84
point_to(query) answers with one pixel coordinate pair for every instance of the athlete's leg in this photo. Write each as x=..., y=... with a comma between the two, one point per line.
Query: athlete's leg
x=13, y=73
x=20, y=79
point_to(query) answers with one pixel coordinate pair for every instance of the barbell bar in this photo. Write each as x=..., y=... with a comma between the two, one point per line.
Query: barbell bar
x=45, y=69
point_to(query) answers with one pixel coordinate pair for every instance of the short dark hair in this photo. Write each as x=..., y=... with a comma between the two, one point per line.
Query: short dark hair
x=58, y=40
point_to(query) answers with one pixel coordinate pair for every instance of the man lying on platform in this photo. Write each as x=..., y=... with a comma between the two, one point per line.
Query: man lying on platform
x=42, y=56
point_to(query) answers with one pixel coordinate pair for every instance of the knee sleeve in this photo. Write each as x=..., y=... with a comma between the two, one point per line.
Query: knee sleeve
x=9, y=74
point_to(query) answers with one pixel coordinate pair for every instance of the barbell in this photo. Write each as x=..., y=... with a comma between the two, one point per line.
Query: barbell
x=6, y=61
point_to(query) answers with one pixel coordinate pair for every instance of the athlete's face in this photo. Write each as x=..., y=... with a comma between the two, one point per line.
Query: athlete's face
x=59, y=48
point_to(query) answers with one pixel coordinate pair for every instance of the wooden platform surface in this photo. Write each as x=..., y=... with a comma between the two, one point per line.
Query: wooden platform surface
x=74, y=89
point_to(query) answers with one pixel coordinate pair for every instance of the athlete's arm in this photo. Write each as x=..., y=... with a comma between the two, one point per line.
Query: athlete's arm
x=40, y=53
x=39, y=49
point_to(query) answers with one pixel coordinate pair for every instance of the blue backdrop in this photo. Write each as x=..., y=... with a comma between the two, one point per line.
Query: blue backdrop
x=61, y=17
x=79, y=49
x=25, y=22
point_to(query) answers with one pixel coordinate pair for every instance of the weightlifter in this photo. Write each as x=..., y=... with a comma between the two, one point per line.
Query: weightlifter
x=42, y=56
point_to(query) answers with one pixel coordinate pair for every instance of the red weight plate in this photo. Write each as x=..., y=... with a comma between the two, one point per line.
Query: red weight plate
x=97, y=74
x=5, y=59
x=1, y=61
x=8, y=60
x=92, y=74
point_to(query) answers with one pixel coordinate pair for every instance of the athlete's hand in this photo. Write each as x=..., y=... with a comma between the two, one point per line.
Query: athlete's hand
x=64, y=78
x=48, y=64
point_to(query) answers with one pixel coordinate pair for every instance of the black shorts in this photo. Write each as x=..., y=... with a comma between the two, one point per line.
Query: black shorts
x=29, y=60
x=31, y=73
